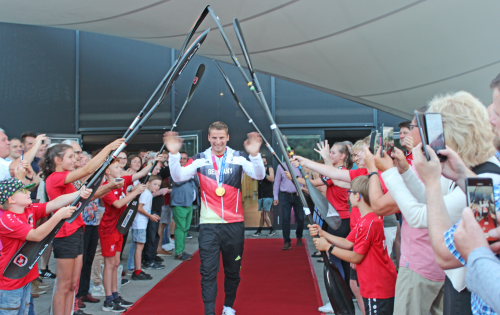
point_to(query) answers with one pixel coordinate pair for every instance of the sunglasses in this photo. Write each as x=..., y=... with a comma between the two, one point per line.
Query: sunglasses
x=351, y=192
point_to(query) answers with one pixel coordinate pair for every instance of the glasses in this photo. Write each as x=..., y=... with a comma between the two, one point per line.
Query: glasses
x=23, y=190
x=413, y=126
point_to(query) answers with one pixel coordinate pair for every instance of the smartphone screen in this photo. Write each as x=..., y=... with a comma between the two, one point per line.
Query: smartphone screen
x=388, y=140
x=422, y=130
x=481, y=200
x=435, y=131
x=374, y=141
x=152, y=154
x=117, y=180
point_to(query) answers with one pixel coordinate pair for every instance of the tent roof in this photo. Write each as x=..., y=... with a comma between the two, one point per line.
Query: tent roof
x=393, y=55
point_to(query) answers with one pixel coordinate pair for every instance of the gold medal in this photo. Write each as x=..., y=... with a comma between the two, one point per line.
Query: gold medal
x=220, y=191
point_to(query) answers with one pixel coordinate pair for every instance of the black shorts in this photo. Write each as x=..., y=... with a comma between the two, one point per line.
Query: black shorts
x=69, y=246
x=353, y=274
x=379, y=306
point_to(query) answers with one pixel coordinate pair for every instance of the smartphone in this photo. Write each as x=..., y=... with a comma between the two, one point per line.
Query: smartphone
x=422, y=130
x=389, y=140
x=435, y=133
x=374, y=141
x=117, y=180
x=152, y=154
x=481, y=200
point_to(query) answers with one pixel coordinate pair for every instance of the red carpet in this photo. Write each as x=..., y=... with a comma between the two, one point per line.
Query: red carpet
x=273, y=281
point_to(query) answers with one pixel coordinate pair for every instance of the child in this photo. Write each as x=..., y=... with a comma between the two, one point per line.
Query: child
x=140, y=225
x=115, y=203
x=17, y=225
x=59, y=173
x=376, y=272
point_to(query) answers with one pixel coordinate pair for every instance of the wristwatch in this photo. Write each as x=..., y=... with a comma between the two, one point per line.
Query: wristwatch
x=331, y=248
x=30, y=179
x=372, y=173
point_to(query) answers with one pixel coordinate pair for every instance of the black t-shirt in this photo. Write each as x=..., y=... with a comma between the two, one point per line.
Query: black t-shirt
x=265, y=187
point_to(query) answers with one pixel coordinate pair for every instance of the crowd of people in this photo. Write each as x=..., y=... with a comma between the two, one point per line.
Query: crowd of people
x=37, y=182
x=407, y=242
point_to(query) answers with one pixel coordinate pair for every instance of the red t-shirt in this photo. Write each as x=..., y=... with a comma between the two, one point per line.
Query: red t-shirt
x=14, y=227
x=112, y=214
x=55, y=186
x=337, y=196
x=409, y=157
x=376, y=272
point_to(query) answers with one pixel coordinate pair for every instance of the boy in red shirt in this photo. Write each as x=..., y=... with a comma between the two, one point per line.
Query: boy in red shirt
x=115, y=202
x=17, y=225
x=376, y=272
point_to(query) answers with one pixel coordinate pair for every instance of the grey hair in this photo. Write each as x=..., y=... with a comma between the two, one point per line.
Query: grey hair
x=1, y=130
x=69, y=142
x=349, y=143
x=85, y=153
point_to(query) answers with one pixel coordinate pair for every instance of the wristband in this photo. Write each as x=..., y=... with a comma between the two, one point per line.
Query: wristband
x=30, y=179
x=331, y=248
x=372, y=173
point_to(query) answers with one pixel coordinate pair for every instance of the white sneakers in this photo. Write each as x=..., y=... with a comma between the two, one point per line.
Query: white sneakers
x=168, y=247
x=98, y=291
x=228, y=311
x=327, y=308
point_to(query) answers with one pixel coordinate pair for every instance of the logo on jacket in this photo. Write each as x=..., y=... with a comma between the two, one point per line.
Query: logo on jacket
x=30, y=220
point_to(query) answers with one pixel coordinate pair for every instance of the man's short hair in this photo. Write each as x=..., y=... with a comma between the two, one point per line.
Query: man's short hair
x=218, y=125
x=142, y=150
x=69, y=142
x=26, y=135
x=495, y=83
x=184, y=152
x=404, y=124
x=361, y=184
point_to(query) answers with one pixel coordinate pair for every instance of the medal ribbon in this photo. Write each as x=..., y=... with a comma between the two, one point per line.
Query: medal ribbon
x=219, y=175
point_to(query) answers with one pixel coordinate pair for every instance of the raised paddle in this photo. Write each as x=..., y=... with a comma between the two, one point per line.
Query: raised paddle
x=26, y=257
x=127, y=217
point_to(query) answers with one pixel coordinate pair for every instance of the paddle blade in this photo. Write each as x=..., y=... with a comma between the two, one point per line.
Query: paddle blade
x=243, y=44
x=196, y=81
x=82, y=203
x=327, y=211
x=26, y=257
x=193, y=29
x=127, y=218
x=336, y=289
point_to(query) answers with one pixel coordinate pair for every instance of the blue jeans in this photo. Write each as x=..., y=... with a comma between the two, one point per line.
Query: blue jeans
x=131, y=253
x=287, y=201
x=32, y=307
x=15, y=302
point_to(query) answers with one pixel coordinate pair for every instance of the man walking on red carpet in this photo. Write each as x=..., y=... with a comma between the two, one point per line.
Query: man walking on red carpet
x=220, y=170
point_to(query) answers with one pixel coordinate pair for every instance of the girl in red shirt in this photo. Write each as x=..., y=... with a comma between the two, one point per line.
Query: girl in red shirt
x=58, y=170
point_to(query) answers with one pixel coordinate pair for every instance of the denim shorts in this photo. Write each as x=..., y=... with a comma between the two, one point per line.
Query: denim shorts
x=15, y=302
x=265, y=204
x=139, y=236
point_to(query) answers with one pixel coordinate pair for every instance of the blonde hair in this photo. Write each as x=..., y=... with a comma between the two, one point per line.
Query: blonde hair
x=358, y=146
x=466, y=126
x=218, y=125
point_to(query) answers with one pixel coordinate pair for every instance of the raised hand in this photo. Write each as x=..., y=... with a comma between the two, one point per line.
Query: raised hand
x=115, y=144
x=400, y=160
x=298, y=160
x=41, y=138
x=173, y=142
x=323, y=149
x=253, y=143
x=370, y=160
x=315, y=230
x=408, y=143
x=65, y=212
x=382, y=163
x=469, y=235
x=321, y=244
x=428, y=171
x=20, y=172
x=85, y=193
x=140, y=189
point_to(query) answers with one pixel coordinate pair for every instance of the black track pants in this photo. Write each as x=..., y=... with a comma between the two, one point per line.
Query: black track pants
x=213, y=239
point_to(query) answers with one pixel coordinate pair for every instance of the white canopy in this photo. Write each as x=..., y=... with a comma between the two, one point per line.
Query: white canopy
x=393, y=55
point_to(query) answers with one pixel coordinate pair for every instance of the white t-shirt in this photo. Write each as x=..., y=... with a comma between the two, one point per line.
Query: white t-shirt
x=4, y=169
x=141, y=221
